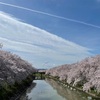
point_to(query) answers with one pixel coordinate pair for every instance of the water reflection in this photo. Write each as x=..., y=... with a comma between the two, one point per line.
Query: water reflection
x=66, y=92
x=25, y=96
x=49, y=89
x=42, y=91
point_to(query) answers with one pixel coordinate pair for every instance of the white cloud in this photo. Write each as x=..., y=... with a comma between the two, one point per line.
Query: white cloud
x=40, y=45
x=51, y=15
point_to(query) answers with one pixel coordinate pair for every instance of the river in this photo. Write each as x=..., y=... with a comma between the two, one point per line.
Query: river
x=49, y=89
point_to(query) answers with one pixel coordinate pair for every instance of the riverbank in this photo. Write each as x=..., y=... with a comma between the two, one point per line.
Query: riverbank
x=13, y=92
x=84, y=75
x=91, y=96
x=16, y=75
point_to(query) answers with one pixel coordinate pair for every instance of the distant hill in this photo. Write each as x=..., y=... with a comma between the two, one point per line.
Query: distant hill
x=13, y=68
x=85, y=73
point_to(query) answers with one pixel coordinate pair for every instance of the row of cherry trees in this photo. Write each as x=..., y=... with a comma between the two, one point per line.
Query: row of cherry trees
x=85, y=74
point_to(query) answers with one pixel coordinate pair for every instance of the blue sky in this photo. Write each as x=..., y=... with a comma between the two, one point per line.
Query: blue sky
x=60, y=32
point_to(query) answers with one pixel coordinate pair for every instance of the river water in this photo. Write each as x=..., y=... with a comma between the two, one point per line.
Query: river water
x=49, y=89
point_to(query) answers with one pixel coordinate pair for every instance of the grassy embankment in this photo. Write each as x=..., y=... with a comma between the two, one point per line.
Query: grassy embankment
x=11, y=92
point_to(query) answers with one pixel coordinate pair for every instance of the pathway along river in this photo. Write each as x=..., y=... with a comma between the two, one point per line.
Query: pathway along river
x=49, y=89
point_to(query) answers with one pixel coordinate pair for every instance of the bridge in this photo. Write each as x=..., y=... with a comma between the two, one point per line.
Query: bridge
x=39, y=74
